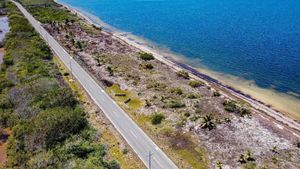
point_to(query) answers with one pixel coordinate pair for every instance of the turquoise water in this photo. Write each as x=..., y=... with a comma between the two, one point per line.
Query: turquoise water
x=257, y=40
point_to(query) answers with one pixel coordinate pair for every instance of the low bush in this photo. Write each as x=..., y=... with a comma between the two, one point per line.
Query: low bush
x=191, y=96
x=195, y=83
x=157, y=118
x=216, y=94
x=208, y=122
x=5, y=83
x=147, y=66
x=57, y=97
x=6, y=103
x=146, y=56
x=50, y=127
x=7, y=118
x=246, y=157
x=175, y=104
x=8, y=60
x=177, y=91
x=230, y=106
x=183, y=74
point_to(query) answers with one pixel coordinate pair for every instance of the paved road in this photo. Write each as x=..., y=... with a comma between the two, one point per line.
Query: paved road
x=134, y=136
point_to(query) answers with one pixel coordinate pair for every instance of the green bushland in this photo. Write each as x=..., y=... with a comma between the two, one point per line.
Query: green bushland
x=47, y=11
x=49, y=128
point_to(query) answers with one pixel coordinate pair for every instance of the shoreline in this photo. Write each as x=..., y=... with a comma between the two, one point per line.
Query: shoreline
x=170, y=60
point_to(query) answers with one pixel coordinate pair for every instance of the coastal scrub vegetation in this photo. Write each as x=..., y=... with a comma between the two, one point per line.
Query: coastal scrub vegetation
x=184, y=74
x=146, y=56
x=157, y=118
x=231, y=106
x=195, y=83
x=49, y=128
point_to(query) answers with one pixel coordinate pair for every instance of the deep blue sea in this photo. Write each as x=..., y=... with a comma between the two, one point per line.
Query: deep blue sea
x=254, y=39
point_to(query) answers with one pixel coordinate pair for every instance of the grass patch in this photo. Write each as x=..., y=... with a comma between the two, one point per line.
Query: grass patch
x=134, y=103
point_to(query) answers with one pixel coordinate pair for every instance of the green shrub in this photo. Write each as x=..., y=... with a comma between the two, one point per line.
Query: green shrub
x=245, y=112
x=8, y=60
x=57, y=97
x=195, y=83
x=208, y=122
x=230, y=106
x=148, y=66
x=5, y=83
x=177, y=91
x=157, y=118
x=112, y=165
x=81, y=150
x=246, y=157
x=7, y=118
x=183, y=74
x=191, y=96
x=5, y=103
x=146, y=56
x=175, y=104
x=55, y=125
x=216, y=94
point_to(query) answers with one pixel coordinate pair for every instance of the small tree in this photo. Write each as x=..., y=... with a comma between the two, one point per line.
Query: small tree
x=208, y=122
x=219, y=164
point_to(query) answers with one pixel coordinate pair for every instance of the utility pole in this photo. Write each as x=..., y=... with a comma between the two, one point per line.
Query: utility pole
x=150, y=158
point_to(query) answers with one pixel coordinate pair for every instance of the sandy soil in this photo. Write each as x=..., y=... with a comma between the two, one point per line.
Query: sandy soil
x=4, y=133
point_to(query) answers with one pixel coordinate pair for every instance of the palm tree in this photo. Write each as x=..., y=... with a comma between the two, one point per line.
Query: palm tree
x=208, y=122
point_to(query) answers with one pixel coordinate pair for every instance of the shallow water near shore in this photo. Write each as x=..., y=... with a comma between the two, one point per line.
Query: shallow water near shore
x=253, y=52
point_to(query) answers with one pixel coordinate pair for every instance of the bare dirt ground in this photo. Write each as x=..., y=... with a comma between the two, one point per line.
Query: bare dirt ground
x=161, y=90
x=4, y=133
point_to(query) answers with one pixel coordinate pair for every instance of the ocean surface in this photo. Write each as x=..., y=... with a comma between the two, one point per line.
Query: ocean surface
x=257, y=40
